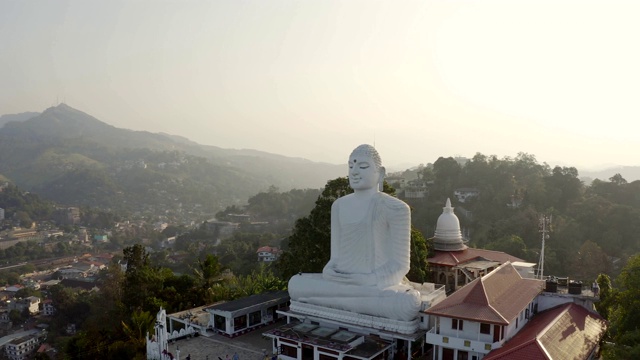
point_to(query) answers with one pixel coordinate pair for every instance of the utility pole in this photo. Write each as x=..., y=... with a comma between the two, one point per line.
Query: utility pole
x=544, y=226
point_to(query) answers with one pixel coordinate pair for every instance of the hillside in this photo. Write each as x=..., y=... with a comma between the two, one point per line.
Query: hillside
x=71, y=157
x=16, y=117
x=629, y=173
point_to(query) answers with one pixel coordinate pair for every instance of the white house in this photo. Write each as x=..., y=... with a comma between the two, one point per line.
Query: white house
x=47, y=308
x=417, y=189
x=483, y=315
x=268, y=254
x=31, y=303
x=465, y=194
x=21, y=348
x=507, y=317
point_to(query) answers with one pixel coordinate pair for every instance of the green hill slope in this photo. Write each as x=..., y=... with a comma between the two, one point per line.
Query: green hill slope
x=71, y=157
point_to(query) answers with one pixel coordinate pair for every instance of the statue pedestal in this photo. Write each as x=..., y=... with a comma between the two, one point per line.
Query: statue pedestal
x=349, y=317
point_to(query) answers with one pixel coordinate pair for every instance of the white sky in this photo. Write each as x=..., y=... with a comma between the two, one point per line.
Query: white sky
x=314, y=79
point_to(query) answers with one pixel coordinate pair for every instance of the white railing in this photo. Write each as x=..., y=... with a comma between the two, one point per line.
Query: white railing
x=435, y=338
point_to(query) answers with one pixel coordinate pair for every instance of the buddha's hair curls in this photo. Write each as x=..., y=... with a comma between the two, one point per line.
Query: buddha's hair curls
x=370, y=151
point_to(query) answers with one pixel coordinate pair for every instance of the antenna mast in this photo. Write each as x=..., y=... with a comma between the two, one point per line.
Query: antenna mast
x=544, y=226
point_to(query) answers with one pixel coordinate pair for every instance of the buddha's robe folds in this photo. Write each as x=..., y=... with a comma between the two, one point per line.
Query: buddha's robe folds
x=370, y=255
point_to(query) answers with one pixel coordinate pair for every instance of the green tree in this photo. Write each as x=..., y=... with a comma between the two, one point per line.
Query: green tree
x=207, y=274
x=24, y=219
x=625, y=312
x=606, y=295
x=446, y=173
x=512, y=245
x=419, y=254
x=563, y=187
x=41, y=356
x=589, y=262
x=140, y=323
x=617, y=179
x=16, y=316
x=142, y=282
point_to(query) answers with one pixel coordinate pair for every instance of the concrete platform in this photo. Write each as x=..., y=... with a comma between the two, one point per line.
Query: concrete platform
x=250, y=346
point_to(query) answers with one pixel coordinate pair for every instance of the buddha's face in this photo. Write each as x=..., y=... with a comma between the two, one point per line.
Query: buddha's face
x=363, y=172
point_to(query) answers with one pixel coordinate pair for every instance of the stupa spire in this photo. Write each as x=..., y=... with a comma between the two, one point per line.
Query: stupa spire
x=448, y=236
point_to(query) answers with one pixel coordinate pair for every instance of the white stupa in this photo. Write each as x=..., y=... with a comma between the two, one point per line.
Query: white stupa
x=448, y=236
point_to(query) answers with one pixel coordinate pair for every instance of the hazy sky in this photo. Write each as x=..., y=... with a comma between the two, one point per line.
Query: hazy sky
x=315, y=78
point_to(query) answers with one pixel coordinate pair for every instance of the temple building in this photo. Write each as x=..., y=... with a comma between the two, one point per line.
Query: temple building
x=483, y=315
x=454, y=264
x=505, y=316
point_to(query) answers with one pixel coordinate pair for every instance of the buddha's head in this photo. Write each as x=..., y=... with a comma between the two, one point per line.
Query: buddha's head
x=365, y=168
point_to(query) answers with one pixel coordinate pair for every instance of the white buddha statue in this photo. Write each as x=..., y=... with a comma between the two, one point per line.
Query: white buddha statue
x=370, y=250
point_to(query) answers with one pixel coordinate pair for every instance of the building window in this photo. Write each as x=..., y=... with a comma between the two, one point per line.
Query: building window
x=456, y=324
x=255, y=318
x=326, y=357
x=288, y=351
x=220, y=323
x=239, y=322
x=485, y=328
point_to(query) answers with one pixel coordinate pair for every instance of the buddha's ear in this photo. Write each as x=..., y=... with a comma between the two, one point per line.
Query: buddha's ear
x=383, y=173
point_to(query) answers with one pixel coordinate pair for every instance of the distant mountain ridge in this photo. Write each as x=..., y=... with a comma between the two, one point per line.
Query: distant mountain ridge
x=16, y=117
x=71, y=157
x=629, y=173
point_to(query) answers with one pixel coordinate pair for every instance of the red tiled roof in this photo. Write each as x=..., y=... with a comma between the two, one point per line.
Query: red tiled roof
x=567, y=331
x=268, y=249
x=496, y=298
x=453, y=258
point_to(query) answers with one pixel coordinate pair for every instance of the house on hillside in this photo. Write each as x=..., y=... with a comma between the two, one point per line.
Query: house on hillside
x=31, y=303
x=465, y=194
x=101, y=238
x=268, y=254
x=22, y=347
x=416, y=189
x=397, y=182
x=47, y=308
